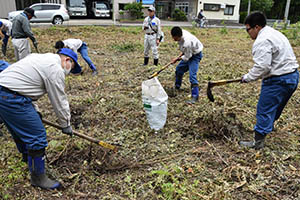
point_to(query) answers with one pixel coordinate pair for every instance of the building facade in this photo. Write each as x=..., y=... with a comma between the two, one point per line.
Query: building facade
x=220, y=10
x=214, y=10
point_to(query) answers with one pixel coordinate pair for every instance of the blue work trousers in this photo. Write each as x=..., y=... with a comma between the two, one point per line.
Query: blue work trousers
x=22, y=120
x=192, y=65
x=5, y=39
x=275, y=93
x=83, y=50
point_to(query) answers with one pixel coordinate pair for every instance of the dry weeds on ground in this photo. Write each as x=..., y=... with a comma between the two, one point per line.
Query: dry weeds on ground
x=195, y=156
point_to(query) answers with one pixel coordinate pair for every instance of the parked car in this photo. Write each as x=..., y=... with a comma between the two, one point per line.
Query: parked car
x=77, y=8
x=45, y=12
x=100, y=9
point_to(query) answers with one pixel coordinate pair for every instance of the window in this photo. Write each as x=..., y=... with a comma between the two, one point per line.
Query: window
x=36, y=8
x=101, y=6
x=51, y=7
x=211, y=7
x=183, y=6
x=229, y=10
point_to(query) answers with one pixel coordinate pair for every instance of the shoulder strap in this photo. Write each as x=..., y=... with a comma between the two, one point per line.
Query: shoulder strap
x=149, y=21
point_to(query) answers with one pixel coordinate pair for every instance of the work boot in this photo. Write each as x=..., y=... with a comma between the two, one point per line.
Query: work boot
x=146, y=61
x=36, y=165
x=155, y=62
x=195, y=95
x=258, y=143
x=95, y=73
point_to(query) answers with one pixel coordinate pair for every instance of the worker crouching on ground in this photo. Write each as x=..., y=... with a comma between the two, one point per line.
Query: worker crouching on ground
x=28, y=80
x=191, y=54
x=78, y=45
x=276, y=64
x=152, y=29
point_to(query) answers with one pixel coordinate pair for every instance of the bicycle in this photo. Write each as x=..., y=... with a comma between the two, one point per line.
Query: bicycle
x=201, y=23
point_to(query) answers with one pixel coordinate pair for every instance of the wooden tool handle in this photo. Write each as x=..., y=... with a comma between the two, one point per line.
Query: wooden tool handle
x=156, y=73
x=74, y=132
x=99, y=142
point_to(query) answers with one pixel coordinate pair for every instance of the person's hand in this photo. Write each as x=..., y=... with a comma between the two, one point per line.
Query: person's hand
x=157, y=42
x=244, y=80
x=174, y=60
x=68, y=130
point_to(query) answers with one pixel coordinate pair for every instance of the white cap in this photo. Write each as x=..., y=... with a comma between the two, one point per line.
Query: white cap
x=151, y=8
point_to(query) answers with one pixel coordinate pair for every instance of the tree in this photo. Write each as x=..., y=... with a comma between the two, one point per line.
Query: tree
x=261, y=5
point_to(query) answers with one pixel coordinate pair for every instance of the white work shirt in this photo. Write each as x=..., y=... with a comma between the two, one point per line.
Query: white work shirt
x=155, y=24
x=272, y=55
x=189, y=45
x=7, y=26
x=73, y=44
x=36, y=75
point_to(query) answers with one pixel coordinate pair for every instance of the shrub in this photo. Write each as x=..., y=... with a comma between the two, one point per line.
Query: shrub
x=135, y=9
x=179, y=15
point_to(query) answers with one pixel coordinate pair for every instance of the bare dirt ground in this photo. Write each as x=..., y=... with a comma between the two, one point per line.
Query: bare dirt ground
x=195, y=156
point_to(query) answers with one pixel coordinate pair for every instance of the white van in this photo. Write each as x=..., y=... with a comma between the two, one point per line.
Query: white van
x=100, y=9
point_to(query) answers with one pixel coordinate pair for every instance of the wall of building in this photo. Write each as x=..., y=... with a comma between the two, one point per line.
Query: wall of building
x=219, y=15
x=6, y=7
x=116, y=9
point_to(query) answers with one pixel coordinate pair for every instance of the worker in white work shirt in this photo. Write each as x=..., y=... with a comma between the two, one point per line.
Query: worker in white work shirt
x=78, y=45
x=28, y=80
x=5, y=32
x=152, y=29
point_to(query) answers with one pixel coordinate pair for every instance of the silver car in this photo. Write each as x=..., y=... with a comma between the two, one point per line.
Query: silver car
x=45, y=12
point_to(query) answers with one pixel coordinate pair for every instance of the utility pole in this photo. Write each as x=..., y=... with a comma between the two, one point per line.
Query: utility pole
x=249, y=6
x=287, y=8
x=115, y=10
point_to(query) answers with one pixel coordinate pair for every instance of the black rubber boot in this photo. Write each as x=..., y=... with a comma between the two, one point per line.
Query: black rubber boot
x=155, y=62
x=258, y=143
x=146, y=61
x=36, y=165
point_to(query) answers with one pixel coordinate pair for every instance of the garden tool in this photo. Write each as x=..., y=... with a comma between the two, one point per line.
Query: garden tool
x=99, y=142
x=212, y=84
x=162, y=69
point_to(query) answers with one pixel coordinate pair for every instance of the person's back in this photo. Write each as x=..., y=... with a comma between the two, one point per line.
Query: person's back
x=33, y=76
x=200, y=15
x=282, y=53
x=21, y=27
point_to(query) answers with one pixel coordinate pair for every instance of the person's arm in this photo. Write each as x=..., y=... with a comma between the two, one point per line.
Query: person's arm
x=27, y=29
x=1, y=28
x=188, y=51
x=58, y=98
x=174, y=60
x=158, y=34
x=262, y=57
x=145, y=24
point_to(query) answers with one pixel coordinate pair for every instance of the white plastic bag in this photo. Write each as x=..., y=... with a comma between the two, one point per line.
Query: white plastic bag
x=155, y=100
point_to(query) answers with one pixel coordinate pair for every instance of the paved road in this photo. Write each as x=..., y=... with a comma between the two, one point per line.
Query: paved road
x=109, y=22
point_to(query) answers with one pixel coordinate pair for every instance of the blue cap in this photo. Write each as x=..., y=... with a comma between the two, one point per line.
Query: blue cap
x=70, y=53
